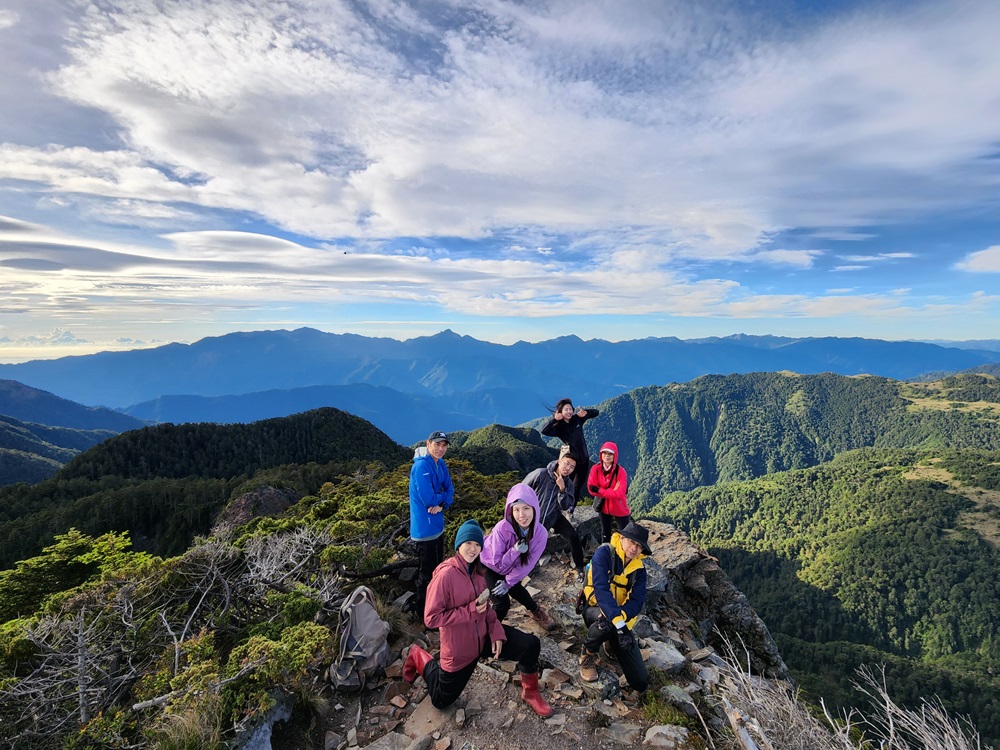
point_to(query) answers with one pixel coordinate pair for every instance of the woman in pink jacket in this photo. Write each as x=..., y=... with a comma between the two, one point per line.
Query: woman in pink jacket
x=458, y=605
x=608, y=484
x=511, y=551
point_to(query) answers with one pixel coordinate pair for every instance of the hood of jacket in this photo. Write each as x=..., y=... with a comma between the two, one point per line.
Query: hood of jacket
x=521, y=493
x=609, y=446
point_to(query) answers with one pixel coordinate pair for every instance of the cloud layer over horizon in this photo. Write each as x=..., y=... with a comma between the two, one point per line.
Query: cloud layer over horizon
x=176, y=170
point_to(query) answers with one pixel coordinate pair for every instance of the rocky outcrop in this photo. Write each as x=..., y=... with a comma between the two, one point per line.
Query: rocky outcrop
x=693, y=612
x=263, y=501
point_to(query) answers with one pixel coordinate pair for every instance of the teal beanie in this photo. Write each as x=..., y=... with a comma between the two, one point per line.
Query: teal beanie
x=470, y=531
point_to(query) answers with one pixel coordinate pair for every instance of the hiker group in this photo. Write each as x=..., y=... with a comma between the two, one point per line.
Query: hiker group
x=468, y=596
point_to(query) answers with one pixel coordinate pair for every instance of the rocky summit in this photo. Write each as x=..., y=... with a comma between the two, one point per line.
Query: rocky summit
x=693, y=624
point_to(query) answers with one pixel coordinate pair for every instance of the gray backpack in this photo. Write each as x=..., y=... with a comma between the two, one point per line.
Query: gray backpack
x=364, y=645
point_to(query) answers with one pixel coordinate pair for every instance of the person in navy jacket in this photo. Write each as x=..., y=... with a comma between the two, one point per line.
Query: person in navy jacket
x=511, y=551
x=431, y=491
x=615, y=592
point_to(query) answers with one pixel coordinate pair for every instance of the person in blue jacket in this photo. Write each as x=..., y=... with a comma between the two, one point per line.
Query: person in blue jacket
x=431, y=491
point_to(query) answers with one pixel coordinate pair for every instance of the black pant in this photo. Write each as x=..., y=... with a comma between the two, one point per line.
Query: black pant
x=501, y=604
x=580, y=476
x=563, y=527
x=445, y=687
x=621, y=521
x=631, y=661
x=430, y=553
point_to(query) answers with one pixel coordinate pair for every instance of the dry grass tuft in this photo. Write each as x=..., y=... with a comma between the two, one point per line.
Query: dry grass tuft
x=768, y=715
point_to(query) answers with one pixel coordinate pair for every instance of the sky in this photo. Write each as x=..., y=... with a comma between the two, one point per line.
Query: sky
x=617, y=169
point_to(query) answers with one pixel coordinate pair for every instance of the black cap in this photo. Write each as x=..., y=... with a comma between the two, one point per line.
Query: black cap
x=438, y=437
x=638, y=534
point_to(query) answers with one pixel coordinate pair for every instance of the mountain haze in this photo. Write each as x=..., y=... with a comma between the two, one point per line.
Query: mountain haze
x=482, y=382
x=41, y=407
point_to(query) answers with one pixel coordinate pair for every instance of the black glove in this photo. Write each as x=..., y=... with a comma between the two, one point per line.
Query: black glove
x=602, y=624
x=625, y=638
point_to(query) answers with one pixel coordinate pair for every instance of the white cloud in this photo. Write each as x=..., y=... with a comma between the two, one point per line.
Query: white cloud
x=798, y=258
x=987, y=261
x=8, y=18
x=56, y=337
x=591, y=157
x=876, y=257
x=567, y=116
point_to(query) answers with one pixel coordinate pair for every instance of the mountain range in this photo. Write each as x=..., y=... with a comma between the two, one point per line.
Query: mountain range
x=39, y=432
x=447, y=381
x=859, y=512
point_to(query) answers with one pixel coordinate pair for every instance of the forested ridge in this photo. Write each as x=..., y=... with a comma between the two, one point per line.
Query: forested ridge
x=875, y=556
x=165, y=484
x=883, y=553
x=105, y=646
x=32, y=452
x=722, y=428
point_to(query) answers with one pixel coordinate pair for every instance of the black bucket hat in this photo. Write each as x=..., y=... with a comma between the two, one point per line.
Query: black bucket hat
x=638, y=534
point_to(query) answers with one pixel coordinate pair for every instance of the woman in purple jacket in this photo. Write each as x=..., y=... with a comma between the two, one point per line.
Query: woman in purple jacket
x=511, y=552
x=458, y=605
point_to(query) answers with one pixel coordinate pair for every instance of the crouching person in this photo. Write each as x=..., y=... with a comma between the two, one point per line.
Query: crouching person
x=615, y=591
x=458, y=605
x=510, y=553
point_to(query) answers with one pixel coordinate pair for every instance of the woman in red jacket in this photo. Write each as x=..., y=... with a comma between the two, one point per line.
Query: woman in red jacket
x=608, y=484
x=458, y=605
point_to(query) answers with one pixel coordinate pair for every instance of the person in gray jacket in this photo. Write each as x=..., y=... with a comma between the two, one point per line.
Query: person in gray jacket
x=554, y=486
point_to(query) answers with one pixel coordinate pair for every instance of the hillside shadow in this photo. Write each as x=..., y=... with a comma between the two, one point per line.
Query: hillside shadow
x=788, y=605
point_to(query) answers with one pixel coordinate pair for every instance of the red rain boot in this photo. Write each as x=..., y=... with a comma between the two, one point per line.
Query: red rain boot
x=416, y=660
x=531, y=696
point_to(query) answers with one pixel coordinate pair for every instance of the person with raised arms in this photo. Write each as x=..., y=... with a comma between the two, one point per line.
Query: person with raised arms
x=567, y=425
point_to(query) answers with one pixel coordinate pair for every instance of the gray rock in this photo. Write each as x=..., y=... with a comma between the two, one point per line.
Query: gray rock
x=665, y=657
x=623, y=734
x=666, y=736
x=396, y=741
x=646, y=628
x=656, y=582
x=257, y=736
x=679, y=699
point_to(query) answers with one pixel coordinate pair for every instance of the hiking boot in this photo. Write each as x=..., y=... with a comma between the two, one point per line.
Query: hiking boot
x=588, y=666
x=542, y=618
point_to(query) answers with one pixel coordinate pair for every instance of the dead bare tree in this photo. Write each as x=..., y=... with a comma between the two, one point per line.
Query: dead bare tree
x=281, y=561
x=85, y=662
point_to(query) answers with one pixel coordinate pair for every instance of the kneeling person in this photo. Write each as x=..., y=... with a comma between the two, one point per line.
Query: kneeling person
x=458, y=605
x=615, y=591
